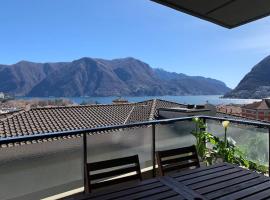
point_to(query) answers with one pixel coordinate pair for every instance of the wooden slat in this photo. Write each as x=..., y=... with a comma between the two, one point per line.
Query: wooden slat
x=217, y=180
x=200, y=173
x=210, y=176
x=128, y=194
x=234, y=188
x=145, y=194
x=151, y=183
x=199, y=170
x=173, y=152
x=112, y=163
x=261, y=195
x=178, y=197
x=231, y=182
x=115, y=181
x=163, y=195
x=179, y=166
x=180, y=159
x=116, y=172
x=181, y=188
x=248, y=191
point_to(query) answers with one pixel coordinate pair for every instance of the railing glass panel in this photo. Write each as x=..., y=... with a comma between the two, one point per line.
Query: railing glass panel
x=121, y=143
x=36, y=171
x=174, y=135
x=251, y=140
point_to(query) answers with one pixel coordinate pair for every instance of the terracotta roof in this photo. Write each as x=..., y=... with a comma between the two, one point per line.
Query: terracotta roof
x=230, y=116
x=56, y=119
x=261, y=105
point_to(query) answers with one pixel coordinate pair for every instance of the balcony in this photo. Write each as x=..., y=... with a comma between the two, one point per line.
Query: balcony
x=53, y=166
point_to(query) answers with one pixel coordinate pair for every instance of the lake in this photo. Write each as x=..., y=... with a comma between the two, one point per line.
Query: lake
x=202, y=99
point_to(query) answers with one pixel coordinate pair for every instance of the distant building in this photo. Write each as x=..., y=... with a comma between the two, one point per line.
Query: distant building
x=231, y=109
x=2, y=95
x=119, y=101
x=257, y=110
x=187, y=111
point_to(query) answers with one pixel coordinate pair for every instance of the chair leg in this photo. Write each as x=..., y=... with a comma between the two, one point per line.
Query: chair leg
x=87, y=186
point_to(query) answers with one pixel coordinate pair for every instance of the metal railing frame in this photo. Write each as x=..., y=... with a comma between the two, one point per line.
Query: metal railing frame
x=152, y=123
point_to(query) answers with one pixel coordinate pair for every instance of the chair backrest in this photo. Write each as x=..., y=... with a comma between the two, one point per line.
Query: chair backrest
x=109, y=172
x=177, y=159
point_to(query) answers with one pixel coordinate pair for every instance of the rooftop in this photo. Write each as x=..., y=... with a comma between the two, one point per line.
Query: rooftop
x=261, y=105
x=56, y=119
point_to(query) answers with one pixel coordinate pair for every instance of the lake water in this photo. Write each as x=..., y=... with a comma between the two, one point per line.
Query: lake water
x=213, y=99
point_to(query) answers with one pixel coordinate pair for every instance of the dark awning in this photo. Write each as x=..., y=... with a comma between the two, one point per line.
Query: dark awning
x=227, y=13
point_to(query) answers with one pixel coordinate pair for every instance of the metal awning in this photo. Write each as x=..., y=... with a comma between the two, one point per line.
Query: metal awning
x=227, y=13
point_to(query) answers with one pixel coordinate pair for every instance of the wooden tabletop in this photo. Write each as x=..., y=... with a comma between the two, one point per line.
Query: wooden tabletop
x=222, y=181
x=225, y=181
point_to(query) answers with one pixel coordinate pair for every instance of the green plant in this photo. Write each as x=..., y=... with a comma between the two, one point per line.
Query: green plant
x=225, y=149
x=229, y=152
x=257, y=167
x=202, y=138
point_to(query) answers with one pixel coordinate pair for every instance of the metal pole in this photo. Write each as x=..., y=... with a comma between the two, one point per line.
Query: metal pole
x=154, y=149
x=84, y=163
x=269, y=152
x=204, y=122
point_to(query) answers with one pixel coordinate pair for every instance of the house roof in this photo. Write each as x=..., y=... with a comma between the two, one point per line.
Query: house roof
x=56, y=119
x=252, y=105
x=227, y=13
x=261, y=105
x=231, y=116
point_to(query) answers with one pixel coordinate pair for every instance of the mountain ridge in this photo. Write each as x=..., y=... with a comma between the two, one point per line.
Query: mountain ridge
x=100, y=77
x=255, y=84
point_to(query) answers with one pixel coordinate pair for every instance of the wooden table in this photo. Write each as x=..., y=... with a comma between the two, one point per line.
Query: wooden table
x=222, y=181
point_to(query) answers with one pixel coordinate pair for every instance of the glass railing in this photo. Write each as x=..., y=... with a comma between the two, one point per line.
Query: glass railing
x=252, y=141
x=40, y=170
x=174, y=135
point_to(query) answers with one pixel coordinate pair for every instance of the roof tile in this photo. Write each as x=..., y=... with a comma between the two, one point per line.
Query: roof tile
x=56, y=119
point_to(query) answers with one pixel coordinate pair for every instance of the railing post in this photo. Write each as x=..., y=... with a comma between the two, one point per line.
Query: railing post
x=154, y=149
x=85, y=181
x=204, y=122
x=269, y=152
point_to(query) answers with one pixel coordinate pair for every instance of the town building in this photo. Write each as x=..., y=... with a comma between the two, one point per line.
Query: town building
x=257, y=110
x=2, y=95
x=230, y=109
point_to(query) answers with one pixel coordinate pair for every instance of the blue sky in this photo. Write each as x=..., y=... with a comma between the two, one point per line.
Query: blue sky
x=64, y=30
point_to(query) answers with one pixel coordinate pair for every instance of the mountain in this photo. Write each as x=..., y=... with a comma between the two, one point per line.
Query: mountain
x=100, y=77
x=196, y=85
x=256, y=84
